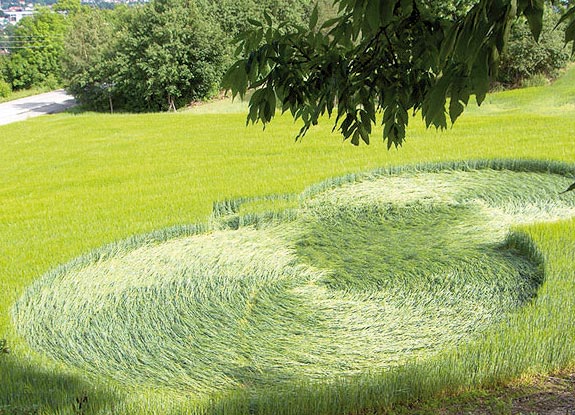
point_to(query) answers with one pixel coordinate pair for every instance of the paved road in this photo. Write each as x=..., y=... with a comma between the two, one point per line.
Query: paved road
x=48, y=103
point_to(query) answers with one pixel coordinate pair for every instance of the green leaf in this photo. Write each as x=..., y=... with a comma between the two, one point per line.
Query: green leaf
x=570, y=29
x=534, y=14
x=355, y=137
x=372, y=14
x=365, y=121
x=386, y=11
x=406, y=7
x=433, y=109
x=363, y=132
x=569, y=14
x=346, y=125
x=268, y=18
x=569, y=189
x=455, y=108
x=313, y=18
x=448, y=44
x=480, y=77
x=330, y=22
x=254, y=22
x=570, y=32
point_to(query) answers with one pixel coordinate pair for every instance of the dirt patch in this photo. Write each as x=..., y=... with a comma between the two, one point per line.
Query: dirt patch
x=552, y=395
x=541, y=395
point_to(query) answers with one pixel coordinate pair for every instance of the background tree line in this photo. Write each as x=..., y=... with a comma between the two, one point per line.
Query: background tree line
x=152, y=57
x=166, y=53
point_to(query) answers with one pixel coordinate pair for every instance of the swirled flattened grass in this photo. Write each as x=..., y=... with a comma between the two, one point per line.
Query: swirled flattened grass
x=359, y=277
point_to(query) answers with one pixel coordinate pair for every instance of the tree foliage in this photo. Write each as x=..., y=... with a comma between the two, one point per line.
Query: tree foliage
x=378, y=61
x=155, y=57
x=168, y=56
x=162, y=55
x=36, y=46
x=234, y=15
x=86, y=61
x=5, y=88
x=67, y=6
x=525, y=58
x=450, y=9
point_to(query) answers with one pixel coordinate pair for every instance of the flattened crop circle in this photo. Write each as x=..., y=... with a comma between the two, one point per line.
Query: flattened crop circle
x=364, y=275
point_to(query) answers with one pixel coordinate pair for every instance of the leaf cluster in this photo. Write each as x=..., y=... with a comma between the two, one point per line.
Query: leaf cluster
x=233, y=15
x=377, y=62
x=36, y=47
x=569, y=19
x=155, y=57
x=159, y=56
x=524, y=58
x=86, y=61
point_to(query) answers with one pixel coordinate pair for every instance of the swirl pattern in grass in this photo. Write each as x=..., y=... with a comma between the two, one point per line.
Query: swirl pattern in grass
x=358, y=277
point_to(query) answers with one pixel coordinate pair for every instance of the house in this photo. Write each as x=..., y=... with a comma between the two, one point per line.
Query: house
x=15, y=14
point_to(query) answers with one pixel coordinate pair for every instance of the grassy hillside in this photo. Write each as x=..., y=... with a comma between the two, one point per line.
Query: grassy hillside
x=71, y=183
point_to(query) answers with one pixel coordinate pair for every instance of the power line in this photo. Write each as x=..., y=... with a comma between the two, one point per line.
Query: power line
x=36, y=36
x=21, y=47
x=23, y=42
x=38, y=40
x=8, y=45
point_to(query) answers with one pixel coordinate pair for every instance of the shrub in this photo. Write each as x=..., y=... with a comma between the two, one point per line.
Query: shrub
x=170, y=55
x=36, y=62
x=5, y=89
x=526, y=58
x=162, y=55
x=86, y=65
x=538, y=79
x=165, y=55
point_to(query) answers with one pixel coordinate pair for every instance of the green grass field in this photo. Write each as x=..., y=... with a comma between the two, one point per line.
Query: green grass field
x=73, y=183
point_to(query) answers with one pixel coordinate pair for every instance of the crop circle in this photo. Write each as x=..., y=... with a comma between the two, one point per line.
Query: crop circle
x=361, y=275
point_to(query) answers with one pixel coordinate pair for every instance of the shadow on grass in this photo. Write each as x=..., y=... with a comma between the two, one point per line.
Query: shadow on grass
x=26, y=389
